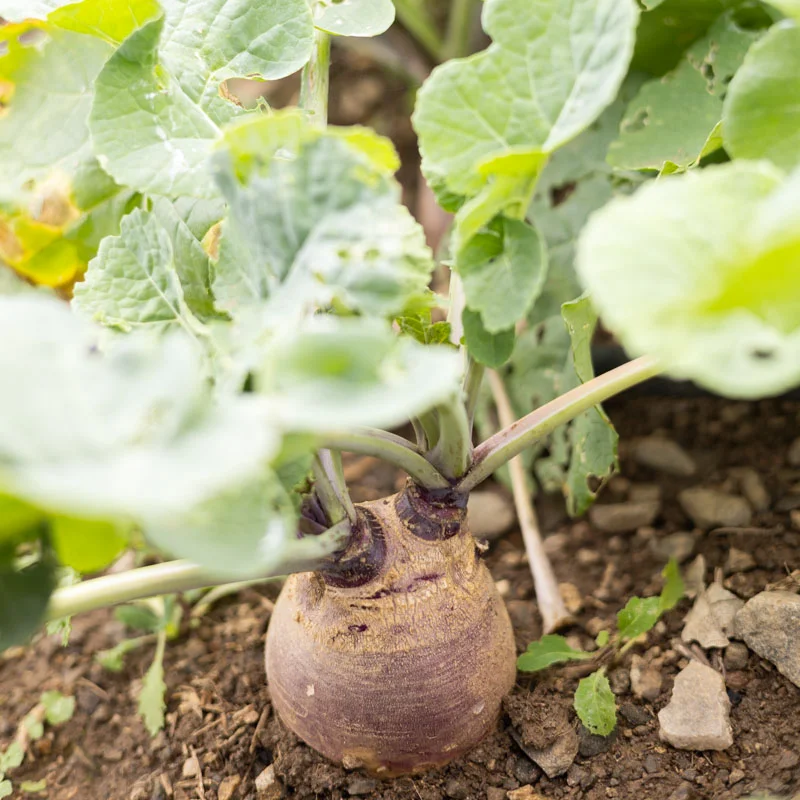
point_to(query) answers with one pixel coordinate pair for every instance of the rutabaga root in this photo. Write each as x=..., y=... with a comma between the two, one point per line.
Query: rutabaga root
x=398, y=660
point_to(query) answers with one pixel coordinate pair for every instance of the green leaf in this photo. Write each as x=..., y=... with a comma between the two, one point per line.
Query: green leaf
x=138, y=617
x=134, y=280
x=6, y=788
x=638, y=616
x=86, y=545
x=550, y=649
x=490, y=349
x=421, y=327
x=761, y=117
x=336, y=374
x=595, y=704
x=323, y=227
x=674, y=589
x=113, y=659
x=354, y=17
x=12, y=757
x=791, y=8
x=673, y=117
x=481, y=118
x=602, y=638
x=152, y=700
x=166, y=82
x=715, y=301
x=24, y=595
x=503, y=270
x=33, y=787
x=135, y=433
x=592, y=437
x=18, y=520
x=58, y=707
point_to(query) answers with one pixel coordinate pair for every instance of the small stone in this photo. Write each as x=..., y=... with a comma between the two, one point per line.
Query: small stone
x=494, y=793
x=575, y=775
x=267, y=785
x=635, y=715
x=793, y=456
x=739, y=561
x=361, y=785
x=556, y=543
x=698, y=714
x=191, y=767
x=674, y=545
x=694, y=577
x=665, y=455
x=651, y=764
x=490, y=514
x=646, y=681
x=586, y=557
x=788, y=760
x=228, y=787
x=711, y=619
x=590, y=744
x=710, y=508
x=752, y=488
x=770, y=625
x=572, y=597
x=524, y=793
x=557, y=758
x=736, y=656
x=645, y=493
x=525, y=771
x=794, y=518
x=620, y=681
x=684, y=792
x=503, y=587
x=624, y=517
x=735, y=776
x=456, y=789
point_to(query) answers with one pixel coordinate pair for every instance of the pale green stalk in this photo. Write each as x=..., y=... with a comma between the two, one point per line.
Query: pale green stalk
x=417, y=21
x=315, y=80
x=509, y=442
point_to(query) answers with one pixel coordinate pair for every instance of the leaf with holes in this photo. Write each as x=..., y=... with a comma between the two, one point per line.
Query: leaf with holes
x=595, y=704
x=716, y=303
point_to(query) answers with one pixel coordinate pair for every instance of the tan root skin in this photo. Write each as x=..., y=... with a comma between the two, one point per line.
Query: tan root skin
x=403, y=673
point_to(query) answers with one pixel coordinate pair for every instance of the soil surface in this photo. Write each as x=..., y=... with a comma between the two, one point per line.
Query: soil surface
x=221, y=734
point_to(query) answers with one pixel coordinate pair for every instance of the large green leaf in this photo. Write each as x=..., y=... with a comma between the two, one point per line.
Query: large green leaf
x=167, y=84
x=24, y=595
x=134, y=432
x=762, y=109
x=487, y=122
x=341, y=373
x=503, y=270
x=700, y=271
x=354, y=17
x=791, y=8
x=673, y=117
x=135, y=279
x=489, y=349
x=319, y=224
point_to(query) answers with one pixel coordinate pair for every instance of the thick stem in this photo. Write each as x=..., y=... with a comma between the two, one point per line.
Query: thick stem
x=453, y=452
x=551, y=604
x=316, y=80
x=183, y=576
x=391, y=448
x=416, y=20
x=512, y=440
x=459, y=29
x=331, y=487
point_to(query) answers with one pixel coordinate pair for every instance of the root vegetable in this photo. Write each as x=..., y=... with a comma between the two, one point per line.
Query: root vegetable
x=398, y=659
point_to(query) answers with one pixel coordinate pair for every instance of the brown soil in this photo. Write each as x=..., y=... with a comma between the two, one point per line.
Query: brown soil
x=219, y=708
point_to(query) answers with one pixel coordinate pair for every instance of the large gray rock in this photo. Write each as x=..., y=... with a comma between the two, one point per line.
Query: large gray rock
x=698, y=715
x=624, y=517
x=770, y=625
x=664, y=455
x=710, y=508
x=711, y=620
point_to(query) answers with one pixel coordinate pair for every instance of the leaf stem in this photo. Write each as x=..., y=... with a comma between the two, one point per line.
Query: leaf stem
x=473, y=381
x=331, y=487
x=391, y=448
x=183, y=576
x=513, y=439
x=459, y=29
x=315, y=80
x=551, y=604
x=416, y=20
x=452, y=455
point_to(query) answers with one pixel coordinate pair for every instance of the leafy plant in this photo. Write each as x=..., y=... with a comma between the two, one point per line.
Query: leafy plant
x=249, y=299
x=594, y=700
